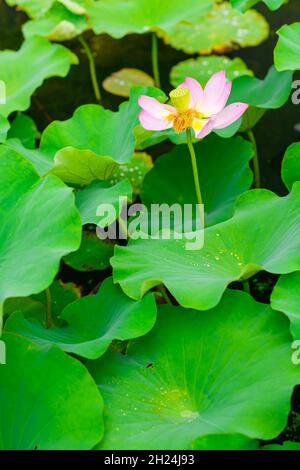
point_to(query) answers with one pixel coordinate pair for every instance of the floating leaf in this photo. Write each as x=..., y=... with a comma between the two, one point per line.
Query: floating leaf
x=202, y=68
x=220, y=30
x=92, y=254
x=245, y=4
x=135, y=170
x=88, y=199
x=263, y=234
x=58, y=24
x=120, y=17
x=24, y=128
x=93, y=322
x=285, y=298
x=170, y=179
x=48, y=400
x=45, y=59
x=270, y=93
x=39, y=225
x=119, y=83
x=194, y=375
x=287, y=50
x=290, y=170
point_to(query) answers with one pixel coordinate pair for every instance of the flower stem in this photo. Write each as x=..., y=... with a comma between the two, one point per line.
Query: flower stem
x=195, y=172
x=257, y=182
x=155, y=66
x=49, y=321
x=93, y=72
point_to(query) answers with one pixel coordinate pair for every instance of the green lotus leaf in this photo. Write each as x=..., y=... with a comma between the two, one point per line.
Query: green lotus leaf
x=220, y=30
x=245, y=4
x=100, y=192
x=285, y=298
x=225, y=442
x=263, y=234
x=42, y=163
x=290, y=170
x=92, y=254
x=39, y=225
x=61, y=294
x=250, y=118
x=24, y=128
x=45, y=59
x=102, y=132
x=93, y=321
x=135, y=170
x=30, y=307
x=49, y=401
x=195, y=375
x=58, y=24
x=202, y=68
x=76, y=166
x=119, y=83
x=170, y=179
x=33, y=8
x=142, y=16
x=270, y=93
x=287, y=445
x=4, y=128
x=287, y=50
x=38, y=8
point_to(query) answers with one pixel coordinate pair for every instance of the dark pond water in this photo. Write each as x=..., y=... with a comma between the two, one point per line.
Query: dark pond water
x=58, y=98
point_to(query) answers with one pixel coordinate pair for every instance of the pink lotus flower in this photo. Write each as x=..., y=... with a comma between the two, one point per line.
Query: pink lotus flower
x=201, y=110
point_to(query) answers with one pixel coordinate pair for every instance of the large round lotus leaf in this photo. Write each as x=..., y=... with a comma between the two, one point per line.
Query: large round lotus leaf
x=270, y=93
x=39, y=225
x=287, y=50
x=224, y=173
x=48, y=400
x=285, y=298
x=58, y=24
x=220, y=30
x=225, y=442
x=202, y=68
x=199, y=374
x=120, y=17
x=290, y=170
x=101, y=192
x=119, y=83
x=24, y=128
x=93, y=254
x=45, y=59
x=245, y=4
x=93, y=322
x=263, y=234
x=98, y=132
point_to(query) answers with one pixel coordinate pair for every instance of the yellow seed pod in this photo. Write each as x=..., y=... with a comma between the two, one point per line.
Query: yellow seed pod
x=181, y=98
